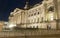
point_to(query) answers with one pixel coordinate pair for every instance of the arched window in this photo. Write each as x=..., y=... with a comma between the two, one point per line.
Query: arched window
x=51, y=9
x=38, y=12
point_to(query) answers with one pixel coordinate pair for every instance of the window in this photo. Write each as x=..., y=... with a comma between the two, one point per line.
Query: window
x=34, y=13
x=34, y=20
x=41, y=19
x=51, y=17
x=33, y=26
x=38, y=19
x=37, y=26
x=30, y=26
x=38, y=12
x=28, y=21
x=51, y=9
x=48, y=26
x=31, y=14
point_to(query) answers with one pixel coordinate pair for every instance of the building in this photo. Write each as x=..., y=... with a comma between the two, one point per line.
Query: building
x=1, y=25
x=52, y=12
x=58, y=10
x=16, y=17
x=36, y=16
x=44, y=15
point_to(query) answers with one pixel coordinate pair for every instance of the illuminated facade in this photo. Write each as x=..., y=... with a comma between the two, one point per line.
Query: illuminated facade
x=52, y=12
x=1, y=25
x=45, y=15
x=36, y=16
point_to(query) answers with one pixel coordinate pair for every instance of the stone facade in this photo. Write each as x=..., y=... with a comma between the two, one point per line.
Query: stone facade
x=1, y=25
x=45, y=15
x=58, y=9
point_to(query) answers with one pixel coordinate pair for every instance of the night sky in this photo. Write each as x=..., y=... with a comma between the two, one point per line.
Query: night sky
x=6, y=6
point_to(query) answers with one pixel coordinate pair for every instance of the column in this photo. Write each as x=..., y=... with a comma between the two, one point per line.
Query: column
x=56, y=12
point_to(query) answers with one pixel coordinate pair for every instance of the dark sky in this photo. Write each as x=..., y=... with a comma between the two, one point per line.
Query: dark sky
x=6, y=6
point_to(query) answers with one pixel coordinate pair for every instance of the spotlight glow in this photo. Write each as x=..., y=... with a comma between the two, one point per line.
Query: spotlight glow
x=12, y=25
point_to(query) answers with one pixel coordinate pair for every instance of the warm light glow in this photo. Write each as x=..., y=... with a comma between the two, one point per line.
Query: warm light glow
x=12, y=25
x=51, y=17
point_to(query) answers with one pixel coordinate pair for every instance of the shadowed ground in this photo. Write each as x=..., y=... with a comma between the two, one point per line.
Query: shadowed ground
x=31, y=33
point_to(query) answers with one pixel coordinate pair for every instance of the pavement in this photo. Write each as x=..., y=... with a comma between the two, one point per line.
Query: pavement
x=31, y=33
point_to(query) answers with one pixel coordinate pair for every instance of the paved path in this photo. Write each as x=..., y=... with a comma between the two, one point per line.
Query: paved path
x=31, y=33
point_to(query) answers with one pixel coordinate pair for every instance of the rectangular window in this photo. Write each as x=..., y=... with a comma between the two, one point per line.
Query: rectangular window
x=38, y=19
x=34, y=13
x=31, y=14
x=38, y=12
x=28, y=15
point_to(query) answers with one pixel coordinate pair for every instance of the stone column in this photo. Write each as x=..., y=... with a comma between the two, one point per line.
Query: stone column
x=59, y=12
x=56, y=12
x=45, y=10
